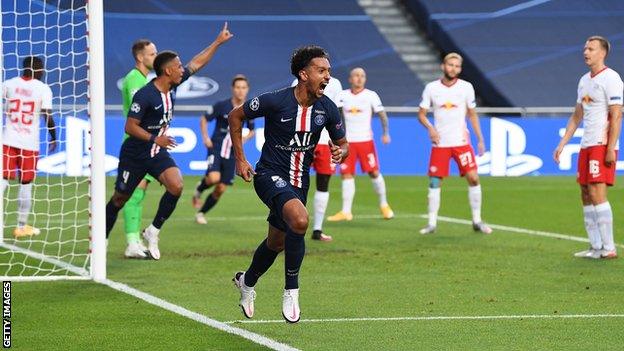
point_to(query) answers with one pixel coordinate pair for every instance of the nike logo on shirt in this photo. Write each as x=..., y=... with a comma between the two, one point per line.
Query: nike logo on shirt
x=286, y=120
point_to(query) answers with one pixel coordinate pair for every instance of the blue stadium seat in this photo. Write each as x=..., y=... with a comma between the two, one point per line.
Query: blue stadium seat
x=523, y=53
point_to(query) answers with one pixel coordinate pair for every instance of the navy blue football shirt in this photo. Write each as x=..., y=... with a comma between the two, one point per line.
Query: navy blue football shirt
x=154, y=110
x=291, y=132
x=220, y=136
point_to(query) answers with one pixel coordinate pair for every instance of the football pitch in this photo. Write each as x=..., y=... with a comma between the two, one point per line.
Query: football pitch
x=378, y=286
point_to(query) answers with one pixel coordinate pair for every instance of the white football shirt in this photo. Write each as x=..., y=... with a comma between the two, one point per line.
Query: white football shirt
x=449, y=105
x=24, y=100
x=596, y=94
x=358, y=111
x=331, y=91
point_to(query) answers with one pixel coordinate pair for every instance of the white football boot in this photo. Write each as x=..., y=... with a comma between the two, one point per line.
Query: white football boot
x=290, y=306
x=136, y=250
x=429, y=229
x=248, y=294
x=152, y=243
x=591, y=253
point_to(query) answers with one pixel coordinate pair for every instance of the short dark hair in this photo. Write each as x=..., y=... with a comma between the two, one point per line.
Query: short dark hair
x=162, y=59
x=604, y=43
x=138, y=46
x=32, y=64
x=302, y=56
x=239, y=77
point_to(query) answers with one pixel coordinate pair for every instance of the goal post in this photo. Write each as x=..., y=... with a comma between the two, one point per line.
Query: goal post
x=96, y=116
x=69, y=189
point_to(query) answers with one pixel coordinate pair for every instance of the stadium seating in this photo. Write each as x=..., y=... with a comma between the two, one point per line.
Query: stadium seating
x=265, y=32
x=532, y=53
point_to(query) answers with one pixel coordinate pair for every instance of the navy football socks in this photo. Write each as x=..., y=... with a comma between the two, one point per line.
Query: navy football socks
x=166, y=206
x=294, y=251
x=262, y=260
x=208, y=204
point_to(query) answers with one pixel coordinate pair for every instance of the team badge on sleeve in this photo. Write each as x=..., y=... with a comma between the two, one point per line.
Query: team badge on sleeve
x=319, y=120
x=135, y=107
x=254, y=104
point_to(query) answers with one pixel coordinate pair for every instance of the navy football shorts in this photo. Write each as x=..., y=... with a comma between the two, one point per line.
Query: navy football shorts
x=131, y=171
x=225, y=166
x=275, y=190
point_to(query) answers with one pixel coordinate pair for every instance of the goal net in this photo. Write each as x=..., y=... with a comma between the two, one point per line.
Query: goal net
x=67, y=191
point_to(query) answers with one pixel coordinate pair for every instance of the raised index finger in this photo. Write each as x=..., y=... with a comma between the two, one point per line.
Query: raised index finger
x=225, y=26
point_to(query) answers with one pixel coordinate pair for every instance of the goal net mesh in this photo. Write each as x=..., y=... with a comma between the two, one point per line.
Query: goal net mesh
x=57, y=32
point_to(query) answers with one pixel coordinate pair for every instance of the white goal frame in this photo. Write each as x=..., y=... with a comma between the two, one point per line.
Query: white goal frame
x=97, y=188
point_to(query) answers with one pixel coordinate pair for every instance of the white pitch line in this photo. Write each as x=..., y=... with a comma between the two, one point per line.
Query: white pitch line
x=151, y=299
x=432, y=318
x=519, y=230
x=256, y=338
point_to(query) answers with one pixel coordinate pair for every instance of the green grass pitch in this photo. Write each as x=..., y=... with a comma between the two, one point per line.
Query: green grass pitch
x=373, y=268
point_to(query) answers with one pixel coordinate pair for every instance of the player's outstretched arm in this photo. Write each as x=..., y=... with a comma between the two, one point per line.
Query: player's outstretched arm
x=201, y=59
x=51, y=129
x=476, y=127
x=573, y=123
x=433, y=133
x=383, y=117
x=615, y=126
x=235, y=120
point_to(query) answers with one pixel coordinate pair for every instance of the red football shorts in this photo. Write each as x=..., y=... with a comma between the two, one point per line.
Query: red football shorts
x=592, y=168
x=322, y=162
x=441, y=156
x=365, y=153
x=24, y=160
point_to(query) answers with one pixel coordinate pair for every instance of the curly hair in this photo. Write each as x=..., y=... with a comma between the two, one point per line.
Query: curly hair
x=302, y=56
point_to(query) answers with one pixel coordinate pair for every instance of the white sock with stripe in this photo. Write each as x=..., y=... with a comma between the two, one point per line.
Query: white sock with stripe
x=320, y=206
x=474, y=197
x=591, y=226
x=24, y=202
x=434, y=205
x=379, y=184
x=348, y=192
x=604, y=217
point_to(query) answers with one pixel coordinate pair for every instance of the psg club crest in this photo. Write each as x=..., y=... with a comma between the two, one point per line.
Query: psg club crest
x=319, y=120
x=254, y=104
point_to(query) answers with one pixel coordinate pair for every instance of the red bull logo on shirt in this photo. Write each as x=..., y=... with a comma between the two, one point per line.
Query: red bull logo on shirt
x=448, y=105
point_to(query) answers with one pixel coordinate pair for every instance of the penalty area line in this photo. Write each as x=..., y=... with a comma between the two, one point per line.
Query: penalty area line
x=434, y=318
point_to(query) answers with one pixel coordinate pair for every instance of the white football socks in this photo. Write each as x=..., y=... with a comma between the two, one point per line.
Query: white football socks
x=604, y=217
x=24, y=202
x=474, y=198
x=591, y=226
x=379, y=184
x=348, y=192
x=320, y=205
x=434, y=205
